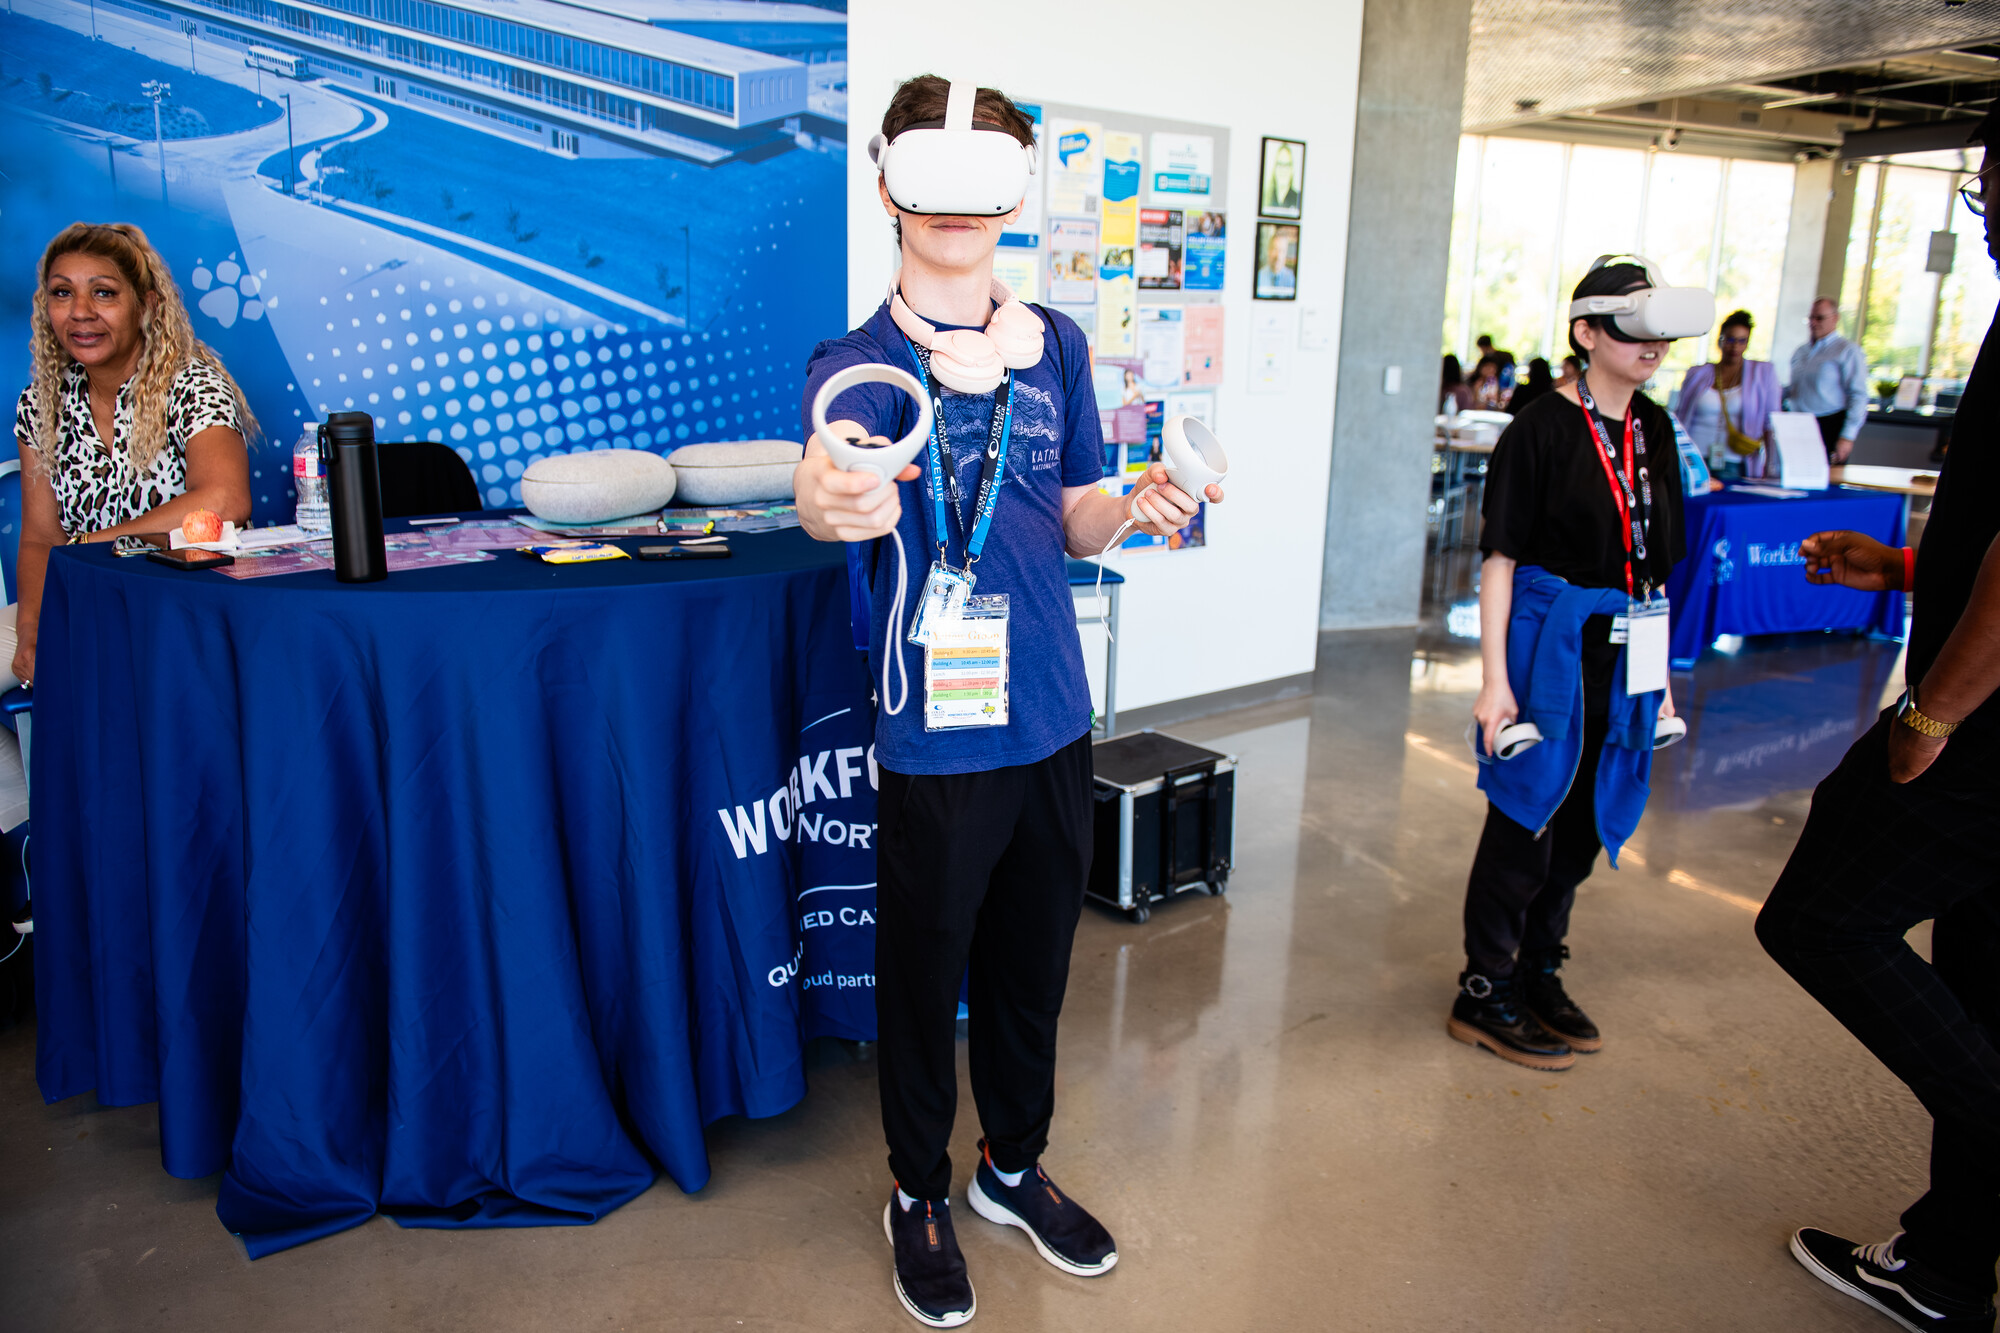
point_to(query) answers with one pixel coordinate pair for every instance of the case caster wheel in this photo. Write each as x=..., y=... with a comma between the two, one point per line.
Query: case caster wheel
x=1139, y=915
x=1217, y=887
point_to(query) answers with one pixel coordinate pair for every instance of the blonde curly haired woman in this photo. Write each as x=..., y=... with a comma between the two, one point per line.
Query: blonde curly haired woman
x=130, y=422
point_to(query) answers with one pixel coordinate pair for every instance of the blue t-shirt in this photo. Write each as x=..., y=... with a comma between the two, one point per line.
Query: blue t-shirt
x=1056, y=443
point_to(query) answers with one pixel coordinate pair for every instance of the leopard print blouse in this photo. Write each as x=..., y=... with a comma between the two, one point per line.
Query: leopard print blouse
x=99, y=487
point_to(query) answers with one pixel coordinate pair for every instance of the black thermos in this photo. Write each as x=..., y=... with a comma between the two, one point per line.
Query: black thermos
x=354, y=494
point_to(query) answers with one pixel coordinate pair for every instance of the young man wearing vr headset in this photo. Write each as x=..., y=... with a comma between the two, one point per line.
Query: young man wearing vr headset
x=1582, y=526
x=985, y=830
x=1907, y=829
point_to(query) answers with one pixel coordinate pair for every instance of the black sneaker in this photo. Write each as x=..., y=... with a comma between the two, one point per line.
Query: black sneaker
x=1063, y=1233
x=1542, y=990
x=930, y=1272
x=1488, y=1013
x=1874, y=1275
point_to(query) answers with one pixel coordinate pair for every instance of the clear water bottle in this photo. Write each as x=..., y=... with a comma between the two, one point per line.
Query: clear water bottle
x=309, y=480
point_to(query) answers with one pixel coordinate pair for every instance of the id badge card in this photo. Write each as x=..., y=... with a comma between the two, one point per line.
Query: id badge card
x=945, y=594
x=1648, y=633
x=965, y=668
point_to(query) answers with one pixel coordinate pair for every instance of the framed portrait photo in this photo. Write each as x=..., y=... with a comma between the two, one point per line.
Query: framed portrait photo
x=1277, y=261
x=1281, y=179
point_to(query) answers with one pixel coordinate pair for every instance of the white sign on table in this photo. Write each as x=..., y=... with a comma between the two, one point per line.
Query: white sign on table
x=1801, y=452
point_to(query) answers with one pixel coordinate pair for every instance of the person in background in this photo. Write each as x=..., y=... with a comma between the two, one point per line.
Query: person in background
x=1488, y=393
x=1907, y=829
x=1537, y=383
x=1454, y=395
x=1504, y=360
x=1554, y=538
x=1571, y=370
x=129, y=423
x=1726, y=405
x=1830, y=380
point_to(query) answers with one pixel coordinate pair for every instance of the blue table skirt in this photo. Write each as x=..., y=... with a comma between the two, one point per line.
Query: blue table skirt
x=467, y=897
x=1744, y=575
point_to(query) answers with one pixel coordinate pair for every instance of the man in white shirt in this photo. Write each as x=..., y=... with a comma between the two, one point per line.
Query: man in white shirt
x=1830, y=380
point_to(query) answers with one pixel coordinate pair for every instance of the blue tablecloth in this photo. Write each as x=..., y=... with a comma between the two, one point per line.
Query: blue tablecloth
x=467, y=897
x=1744, y=575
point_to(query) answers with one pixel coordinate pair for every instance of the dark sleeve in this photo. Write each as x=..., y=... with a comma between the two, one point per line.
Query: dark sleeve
x=881, y=408
x=1083, y=431
x=1512, y=506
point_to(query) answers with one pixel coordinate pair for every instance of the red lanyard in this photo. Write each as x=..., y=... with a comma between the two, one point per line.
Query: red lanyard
x=1629, y=524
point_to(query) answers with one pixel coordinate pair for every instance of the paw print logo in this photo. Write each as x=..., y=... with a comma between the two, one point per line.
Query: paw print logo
x=229, y=291
x=1725, y=568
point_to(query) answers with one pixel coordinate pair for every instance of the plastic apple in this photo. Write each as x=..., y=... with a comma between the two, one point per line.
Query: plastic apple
x=203, y=525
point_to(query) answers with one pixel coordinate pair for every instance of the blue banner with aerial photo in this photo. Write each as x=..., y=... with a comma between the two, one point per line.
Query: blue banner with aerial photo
x=521, y=229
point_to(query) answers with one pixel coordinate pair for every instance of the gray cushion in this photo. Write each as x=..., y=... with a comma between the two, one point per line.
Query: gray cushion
x=735, y=473
x=596, y=487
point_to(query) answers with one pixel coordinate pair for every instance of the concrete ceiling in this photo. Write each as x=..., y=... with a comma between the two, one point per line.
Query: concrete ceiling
x=1857, y=60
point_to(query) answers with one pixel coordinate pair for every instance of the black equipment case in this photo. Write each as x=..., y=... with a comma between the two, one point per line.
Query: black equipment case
x=1165, y=820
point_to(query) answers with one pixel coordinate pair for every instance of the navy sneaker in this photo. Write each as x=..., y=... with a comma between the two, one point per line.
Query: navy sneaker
x=1063, y=1233
x=1873, y=1275
x=930, y=1272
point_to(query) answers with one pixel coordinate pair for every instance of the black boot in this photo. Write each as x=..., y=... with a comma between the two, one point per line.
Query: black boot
x=1546, y=999
x=1488, y=1013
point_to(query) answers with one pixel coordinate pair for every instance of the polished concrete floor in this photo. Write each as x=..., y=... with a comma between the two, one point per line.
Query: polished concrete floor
x=1256, y=1092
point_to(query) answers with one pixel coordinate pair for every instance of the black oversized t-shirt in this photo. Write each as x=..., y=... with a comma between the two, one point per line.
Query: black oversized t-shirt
x=1965, y=517
x=1549, y=503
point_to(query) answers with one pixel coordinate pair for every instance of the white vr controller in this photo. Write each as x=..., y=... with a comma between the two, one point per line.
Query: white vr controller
x=884, y=461
x=1518, y=736
x=1194, y=457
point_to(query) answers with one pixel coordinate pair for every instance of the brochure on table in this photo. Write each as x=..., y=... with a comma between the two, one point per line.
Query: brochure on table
x=1133, y=245
x=1802, y=462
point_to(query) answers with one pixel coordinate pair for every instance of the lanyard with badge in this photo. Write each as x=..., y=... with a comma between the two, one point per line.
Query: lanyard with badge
x=964, y=638
x=1644, y=629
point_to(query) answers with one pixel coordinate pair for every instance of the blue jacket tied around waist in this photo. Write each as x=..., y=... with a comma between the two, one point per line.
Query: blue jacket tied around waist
x=1545, y=669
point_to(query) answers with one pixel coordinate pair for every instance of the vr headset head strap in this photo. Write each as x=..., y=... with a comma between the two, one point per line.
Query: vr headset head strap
x=958, y=104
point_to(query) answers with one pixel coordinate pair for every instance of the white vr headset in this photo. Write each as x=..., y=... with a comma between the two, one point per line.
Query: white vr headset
x=954, y=166
x=1657, y=313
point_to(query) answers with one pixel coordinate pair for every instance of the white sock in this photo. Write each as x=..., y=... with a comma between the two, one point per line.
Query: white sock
x=905, y=1200
x=1009, y=1178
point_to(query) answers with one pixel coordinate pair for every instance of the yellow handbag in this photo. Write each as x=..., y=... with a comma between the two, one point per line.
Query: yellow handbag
x=1739, y=444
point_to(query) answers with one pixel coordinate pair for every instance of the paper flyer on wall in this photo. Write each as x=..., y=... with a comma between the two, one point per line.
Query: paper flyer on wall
x=1120, y=211
x=1117, y=315
x=1072, y=261
x=1182, y=170
x=1025, y=232
x=1201, y=363
x=1075, y=167
x=1021, y=270
x=1271, y=335
x=1200, y=406
x=1162, y=346
x=1160, y=240
x=1203, y=251
x=1086, y=319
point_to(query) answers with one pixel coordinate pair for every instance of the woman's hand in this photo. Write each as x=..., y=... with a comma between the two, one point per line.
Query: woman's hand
x=1667, y=704
x=24, y=661
x=1494, y=709
x=836, y=506
x=1853, y=561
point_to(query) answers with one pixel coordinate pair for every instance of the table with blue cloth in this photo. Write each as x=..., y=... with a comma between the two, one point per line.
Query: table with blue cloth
x=1744, y=575
x=468, y=897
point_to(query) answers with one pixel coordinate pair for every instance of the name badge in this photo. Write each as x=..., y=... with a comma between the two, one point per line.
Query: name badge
x=1648, y=635
x=965, y=668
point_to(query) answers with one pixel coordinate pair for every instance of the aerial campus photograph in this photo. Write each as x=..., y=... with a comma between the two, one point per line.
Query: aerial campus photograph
x=402, y=207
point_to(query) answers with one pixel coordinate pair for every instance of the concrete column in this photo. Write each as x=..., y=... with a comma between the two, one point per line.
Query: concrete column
x=1398, y=247
x=1815, y=247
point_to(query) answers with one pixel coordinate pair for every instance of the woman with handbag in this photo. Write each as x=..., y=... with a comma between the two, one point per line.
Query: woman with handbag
x=1726, y=406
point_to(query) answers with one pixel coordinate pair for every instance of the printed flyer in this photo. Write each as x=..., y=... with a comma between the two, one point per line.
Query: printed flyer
x=1075, y=167
x=1160, y=240
x=1202, y=354
x=1025, y=232
x=1204, y=251
x=1162, y=346
x=1117, y=308
x=1021, y=270
x=1072, y=261
x=1183, y=170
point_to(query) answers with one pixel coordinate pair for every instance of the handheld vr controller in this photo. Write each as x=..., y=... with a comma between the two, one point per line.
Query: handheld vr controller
x=883, y=462
x=1516, y=737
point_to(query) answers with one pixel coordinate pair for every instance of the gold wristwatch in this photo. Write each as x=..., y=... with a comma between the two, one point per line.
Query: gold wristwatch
x=1917, y=721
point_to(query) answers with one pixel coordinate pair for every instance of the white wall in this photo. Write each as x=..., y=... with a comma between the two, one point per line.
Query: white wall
x=1798, y=288
x=1245, y=608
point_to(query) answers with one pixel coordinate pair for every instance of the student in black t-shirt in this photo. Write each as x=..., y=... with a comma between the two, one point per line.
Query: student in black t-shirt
x=1907, y=829
x=1549, y=503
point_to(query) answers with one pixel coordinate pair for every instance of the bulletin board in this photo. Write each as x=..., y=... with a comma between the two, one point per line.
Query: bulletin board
x=1124, y=231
